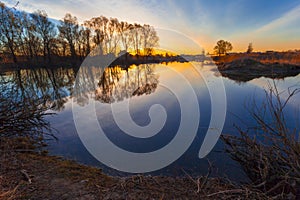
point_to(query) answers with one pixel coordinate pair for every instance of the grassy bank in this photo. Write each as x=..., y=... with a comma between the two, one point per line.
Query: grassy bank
x=29, y=175
x=292, y=58
x=243, y=67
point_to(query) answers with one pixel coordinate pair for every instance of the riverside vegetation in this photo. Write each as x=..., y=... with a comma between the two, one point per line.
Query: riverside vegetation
x=28, y=172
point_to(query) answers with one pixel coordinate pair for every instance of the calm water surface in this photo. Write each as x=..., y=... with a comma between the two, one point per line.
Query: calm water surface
x=141, y=85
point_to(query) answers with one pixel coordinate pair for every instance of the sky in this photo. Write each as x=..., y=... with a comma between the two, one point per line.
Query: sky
x=267, y=24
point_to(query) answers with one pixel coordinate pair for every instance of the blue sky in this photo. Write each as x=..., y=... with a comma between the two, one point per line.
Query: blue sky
x=268, y=24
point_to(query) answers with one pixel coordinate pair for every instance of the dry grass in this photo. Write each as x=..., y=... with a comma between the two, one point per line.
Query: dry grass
x=265, y=58
x=270, y=156
x=55, y=178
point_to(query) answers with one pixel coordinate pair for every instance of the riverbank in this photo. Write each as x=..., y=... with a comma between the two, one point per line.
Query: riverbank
x=32, y=175
x=110, y=60
x=245, y=67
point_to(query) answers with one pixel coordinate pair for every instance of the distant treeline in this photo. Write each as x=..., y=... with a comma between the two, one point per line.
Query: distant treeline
x=35, y=38
x=289, y=57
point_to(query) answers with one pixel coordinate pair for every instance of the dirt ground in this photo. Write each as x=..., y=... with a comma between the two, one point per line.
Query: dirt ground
x=33, y=175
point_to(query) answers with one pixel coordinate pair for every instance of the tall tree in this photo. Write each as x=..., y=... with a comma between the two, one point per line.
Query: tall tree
x=150, y=39
x=34, y=35
x=27, y=36
x=69, y=30
x=31, y=41
x=46, y=30
x=98, y=25
x=124, y=31
x=136, y=37
x=10, y=30
x=222, y=47
x=112, y=35
x=86, y=35
x=83, y=41
x=250, y=48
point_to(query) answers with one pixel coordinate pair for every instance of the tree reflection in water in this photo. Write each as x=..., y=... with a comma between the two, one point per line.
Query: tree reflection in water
x=28, y=95
x=25, y=97
x=117, y=84
x=51, y=87
x=114, y=84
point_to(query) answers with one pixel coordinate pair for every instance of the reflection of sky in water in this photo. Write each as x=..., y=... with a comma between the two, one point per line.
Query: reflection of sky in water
x=238, y=97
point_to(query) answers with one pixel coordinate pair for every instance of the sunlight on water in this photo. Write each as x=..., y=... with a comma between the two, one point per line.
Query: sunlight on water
x=140, y=85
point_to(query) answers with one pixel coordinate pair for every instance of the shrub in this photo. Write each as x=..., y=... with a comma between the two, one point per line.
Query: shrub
x=270, y=153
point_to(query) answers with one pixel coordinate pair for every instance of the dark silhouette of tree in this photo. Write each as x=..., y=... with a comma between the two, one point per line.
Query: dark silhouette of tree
x=112, y=36
x=83, y=42
x=250, y=48
x=86, y=34
x=69, y=31
x=136, y=37
x=46, y=31
x=98, y=25
x=10, y=30
x=222, y=47
x=32, y=36
x=150, y=39
x=30, y=45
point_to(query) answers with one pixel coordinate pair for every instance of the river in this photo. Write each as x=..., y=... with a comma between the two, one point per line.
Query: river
x=122, y=97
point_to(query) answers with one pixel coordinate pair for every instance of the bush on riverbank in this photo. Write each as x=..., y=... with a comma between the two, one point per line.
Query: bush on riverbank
x=270, y=156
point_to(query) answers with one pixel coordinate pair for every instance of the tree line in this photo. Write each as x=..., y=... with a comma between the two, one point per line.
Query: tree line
x=33, y=36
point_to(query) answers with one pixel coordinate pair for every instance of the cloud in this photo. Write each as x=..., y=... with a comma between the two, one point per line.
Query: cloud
x=280, y=33
x=132, y=11
x=172, y=15
x=240, y=22
x=291, y=18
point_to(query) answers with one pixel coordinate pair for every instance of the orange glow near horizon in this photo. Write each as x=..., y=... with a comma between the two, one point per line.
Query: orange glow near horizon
x=259, y=45
x=182, y=44
x=156, y=51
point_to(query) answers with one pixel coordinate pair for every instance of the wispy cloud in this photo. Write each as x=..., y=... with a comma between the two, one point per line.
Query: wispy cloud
x=291, y=18
x=282, y=33
x=265, y=23
x=133, y=11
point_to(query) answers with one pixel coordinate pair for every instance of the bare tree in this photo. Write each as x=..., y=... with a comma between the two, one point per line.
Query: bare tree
x=250, y=48
x=28, y=37
x=10, y=30
x=150, y=39
x=98, y=25
x=112, y=35
x=46, y=30
x=68, y=30
x=86, y=37
x=34, y=35
x=136, y=37
x=124, y=32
